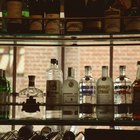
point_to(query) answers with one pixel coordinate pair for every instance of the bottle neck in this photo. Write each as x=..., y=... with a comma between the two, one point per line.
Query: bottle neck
x=122, y=71
x=104, y=71
x=70, y=73
x=31, y=81
x=88, y=71
x=138, y=72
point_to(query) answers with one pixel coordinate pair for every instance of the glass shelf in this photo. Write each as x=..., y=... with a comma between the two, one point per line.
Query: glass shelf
x=44, y=40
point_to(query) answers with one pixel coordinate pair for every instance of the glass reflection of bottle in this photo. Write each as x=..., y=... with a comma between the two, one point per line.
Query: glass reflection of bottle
x=132, y=21
x=105, y=96
x=122, y=95
x=31, y=97
x=14, y=14
x=87, y=95
x=52, y=24
x=70, y=95
x=136, y=94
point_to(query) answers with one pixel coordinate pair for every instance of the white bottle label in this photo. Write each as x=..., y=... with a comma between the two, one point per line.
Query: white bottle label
x=52, y=24
x=36, y=23
x=14, y=9
x=70, y=111
x=112, y=20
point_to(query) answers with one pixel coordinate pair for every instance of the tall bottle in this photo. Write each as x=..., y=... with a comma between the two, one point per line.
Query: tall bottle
x=74, y=9
x=4, y=96
x=105, y=96
x=132, y=21
x=122, y=95
x=136, y=94
x=70, y=95
x=53, y=91
x=36, y=11
x=31, y=97
x=112, y=20
x=52, y=23
x=94, y=25
x=87, y=95
x=14, y=15
x=25, y=16
x=1, y=16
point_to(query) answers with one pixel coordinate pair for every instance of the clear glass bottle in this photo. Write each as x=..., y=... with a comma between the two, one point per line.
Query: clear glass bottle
x=53, y=91
x=87, y=95
x=122, y=95
x=31, y=97
x=132, y=20
x=70, y=95
x=136, y=94
x=105, y=96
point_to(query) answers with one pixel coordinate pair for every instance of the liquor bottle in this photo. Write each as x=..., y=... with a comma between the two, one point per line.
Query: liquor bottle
x=87, y=95
x=122, y=95
x=7, y=95
x=74, y=9
x=70, y=95
x=136, y=94
x=36, y=12
x=52, y=23
x=4, y=96
x=105, y=96
x=14, y=15
x=112, y=20
x=94, y=25
x=132, y=21
x=25, y=16
x=53, y=91
x=30, y=98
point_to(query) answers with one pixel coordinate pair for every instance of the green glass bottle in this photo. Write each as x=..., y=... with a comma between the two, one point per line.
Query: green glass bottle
x=4, y=96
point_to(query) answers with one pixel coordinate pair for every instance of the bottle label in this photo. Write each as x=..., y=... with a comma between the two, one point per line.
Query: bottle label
x=132, y=24
x=87, y=89
x=74, y=26
x=70, y=111
x=53, y=94
x=36, y=23
x=14, y=9
x=112, y=20
x=52, y=24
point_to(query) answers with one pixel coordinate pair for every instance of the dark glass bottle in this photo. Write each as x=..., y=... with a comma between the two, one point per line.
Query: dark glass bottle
x=74, y=9
x=132, y=20
x=14, y=15
x=36, y=11
x=94, y=10
x=136, y=94
x=25, y=16
x=52, y=10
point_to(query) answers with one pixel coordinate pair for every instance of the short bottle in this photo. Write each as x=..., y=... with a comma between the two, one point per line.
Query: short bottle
x=122, y=95
x=53, y=91
x=87, y=95
x=14, y=15
x=136, y=94
x=52, y=23
x=105, y=96
x=70, y=94
x=36, y=12
x=132, y=20
x=31, y=98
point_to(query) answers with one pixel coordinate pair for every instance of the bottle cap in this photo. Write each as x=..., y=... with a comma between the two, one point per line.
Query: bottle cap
x=31, y=77
x=122, y=66
x=138, y=62
x=53, y=61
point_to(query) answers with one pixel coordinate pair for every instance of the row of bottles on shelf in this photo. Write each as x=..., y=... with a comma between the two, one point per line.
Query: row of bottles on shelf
x=27, y=132
x=80, y=16
x=101, y=99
